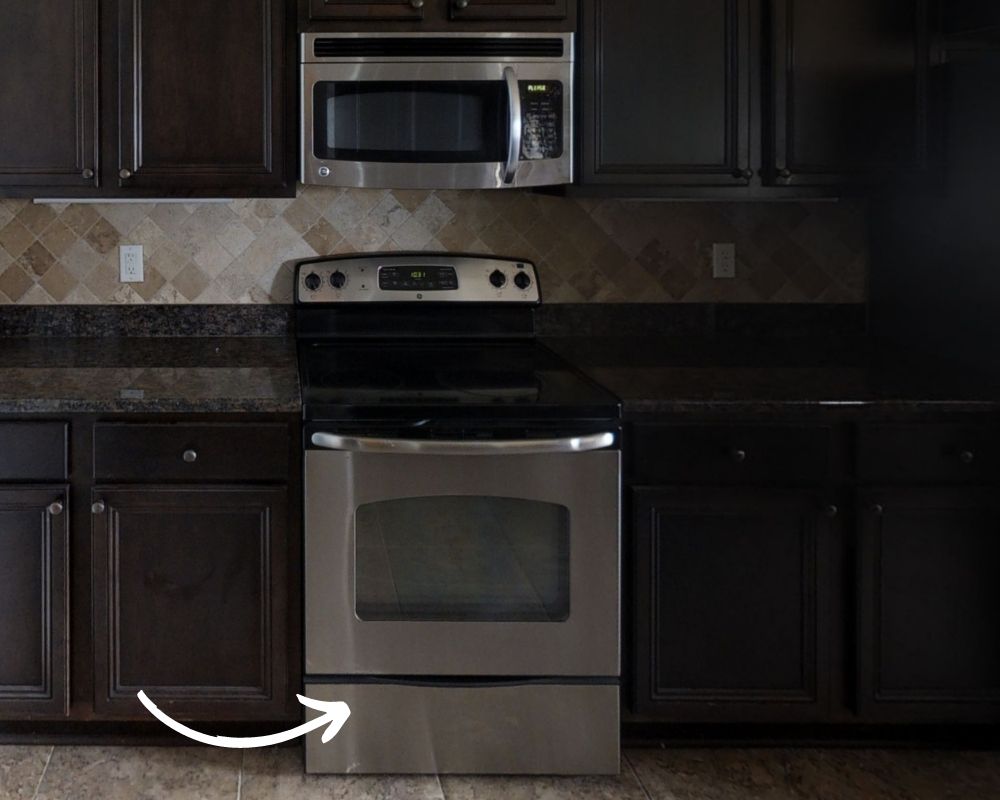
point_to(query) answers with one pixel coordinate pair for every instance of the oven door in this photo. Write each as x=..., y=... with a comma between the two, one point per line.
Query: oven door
x=480, y=558
x=435, y=125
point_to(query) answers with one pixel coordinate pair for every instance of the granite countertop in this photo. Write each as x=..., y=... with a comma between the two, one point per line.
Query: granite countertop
x=144, y=375
x=754, y=375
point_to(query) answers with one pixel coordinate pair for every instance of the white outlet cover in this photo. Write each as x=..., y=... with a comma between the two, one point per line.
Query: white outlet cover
x=723, y=260
x=130, y=263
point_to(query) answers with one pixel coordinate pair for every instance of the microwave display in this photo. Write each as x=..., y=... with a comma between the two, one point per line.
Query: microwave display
x=410, y=121
x=541, y=120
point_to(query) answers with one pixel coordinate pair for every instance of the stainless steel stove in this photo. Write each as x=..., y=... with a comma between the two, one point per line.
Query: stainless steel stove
x=462, y=524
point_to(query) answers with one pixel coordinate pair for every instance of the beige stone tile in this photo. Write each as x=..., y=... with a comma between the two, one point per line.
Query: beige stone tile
x=411, y=235
x=36, y=260
x=10, y=209
x=124, y=216
x=433, y=214
x=301, y=215
x=213, y=258
x=235, y=237
x=14, y=282
x=15, y=238
x=35, y=218
x=277, y=774
x=148, y=234
x=57, y=238
x=151, y=773
x=322, y=237
x=21, y=769
x=151, y=283
x=79, y=218
x=102, y=236
x=621, y=787
x=58, y=282
x=36, y=296
x=167, y=260
x=411, y=199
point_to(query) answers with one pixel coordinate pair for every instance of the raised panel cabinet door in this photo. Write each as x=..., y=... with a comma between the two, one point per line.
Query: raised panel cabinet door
x=190, y=602
x=666, y=92
x=34, y=650
x=371, y=10
x=508, y=9
x=731, y=605
x=929, y=605
x=48, y=93
x=849, y=90
x=202, y=96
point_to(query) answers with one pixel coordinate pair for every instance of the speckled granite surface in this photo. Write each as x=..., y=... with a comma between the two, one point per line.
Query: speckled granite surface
x=767, y=376
x=146, y=375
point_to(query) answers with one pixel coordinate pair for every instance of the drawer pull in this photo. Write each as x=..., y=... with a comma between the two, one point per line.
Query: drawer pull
x=97, y=508
x=878, y=510
x=966, y=456
x=56, y=508
x=190, y=456
x=832, y=511
x=738, y=455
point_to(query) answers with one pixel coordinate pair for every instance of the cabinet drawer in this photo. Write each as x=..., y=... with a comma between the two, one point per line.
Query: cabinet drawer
x=137, y=452
x=937, y=452
x=730, y=454
x=33, y=451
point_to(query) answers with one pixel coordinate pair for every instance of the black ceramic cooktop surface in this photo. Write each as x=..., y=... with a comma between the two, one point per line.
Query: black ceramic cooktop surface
x=350, y=379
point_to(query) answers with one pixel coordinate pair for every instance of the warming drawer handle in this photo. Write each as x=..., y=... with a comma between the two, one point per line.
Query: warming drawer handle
x=444, y=447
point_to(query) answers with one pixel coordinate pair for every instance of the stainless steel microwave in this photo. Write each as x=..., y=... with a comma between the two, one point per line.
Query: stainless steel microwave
x=437, y=111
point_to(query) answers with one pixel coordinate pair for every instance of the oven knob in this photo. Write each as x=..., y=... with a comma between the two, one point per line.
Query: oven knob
x=338, y=279
x=522, y=280
x=312, y=281
x=498, y=279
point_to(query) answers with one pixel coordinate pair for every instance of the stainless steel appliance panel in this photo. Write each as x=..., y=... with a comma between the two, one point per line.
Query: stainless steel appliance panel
x=339, y=642
x=525, y=729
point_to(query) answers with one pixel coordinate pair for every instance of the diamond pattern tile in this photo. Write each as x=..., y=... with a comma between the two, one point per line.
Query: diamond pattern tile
x=588, y=250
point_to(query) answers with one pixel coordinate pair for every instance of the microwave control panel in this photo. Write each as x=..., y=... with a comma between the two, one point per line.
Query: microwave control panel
x=541, y=120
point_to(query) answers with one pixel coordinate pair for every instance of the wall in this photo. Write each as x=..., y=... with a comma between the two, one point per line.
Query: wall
x=587, y=250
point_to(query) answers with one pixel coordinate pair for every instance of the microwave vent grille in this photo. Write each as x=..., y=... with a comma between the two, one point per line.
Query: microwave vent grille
x=443, y=47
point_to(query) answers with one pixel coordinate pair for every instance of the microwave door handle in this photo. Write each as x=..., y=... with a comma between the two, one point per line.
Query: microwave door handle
x=442, y=447
x=514, y=138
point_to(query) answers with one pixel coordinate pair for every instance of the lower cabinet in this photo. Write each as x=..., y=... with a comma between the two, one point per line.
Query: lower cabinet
x=33, y=602
x=731, y=604
x=190, y=601
x=929, y=605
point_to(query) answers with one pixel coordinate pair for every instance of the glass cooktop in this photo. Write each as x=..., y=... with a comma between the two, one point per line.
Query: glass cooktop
x=496, y=378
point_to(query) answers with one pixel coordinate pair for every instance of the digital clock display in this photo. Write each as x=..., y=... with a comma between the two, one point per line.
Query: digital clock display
x=417, y=279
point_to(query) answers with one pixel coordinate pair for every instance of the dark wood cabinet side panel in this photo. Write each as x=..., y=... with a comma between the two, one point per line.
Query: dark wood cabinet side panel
x=48, y=93
x=33, y=602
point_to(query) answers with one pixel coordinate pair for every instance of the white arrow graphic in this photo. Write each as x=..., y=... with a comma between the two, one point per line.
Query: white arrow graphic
x=334, y=714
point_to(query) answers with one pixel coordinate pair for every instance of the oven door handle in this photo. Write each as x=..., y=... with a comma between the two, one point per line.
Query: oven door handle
x=514, y=109
x=444, y=447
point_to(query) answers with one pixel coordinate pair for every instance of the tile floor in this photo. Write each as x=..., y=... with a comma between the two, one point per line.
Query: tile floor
x=194, y=773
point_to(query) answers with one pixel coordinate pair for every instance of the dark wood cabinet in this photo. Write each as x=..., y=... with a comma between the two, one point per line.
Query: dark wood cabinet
x=33, y=602
x=190, y=601
x=508, y=9
x=202, y=95
x=848, y=92
x=929, y=605
x=666, y=93
x=48, y=94
x=731, y=604
x=366, y=10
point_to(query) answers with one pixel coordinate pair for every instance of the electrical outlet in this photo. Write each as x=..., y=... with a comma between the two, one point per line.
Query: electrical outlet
x=130, y=263
x=723, y=260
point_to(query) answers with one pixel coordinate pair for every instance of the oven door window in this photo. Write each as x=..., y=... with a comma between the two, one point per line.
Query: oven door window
x=462, y=559
x=411, y=122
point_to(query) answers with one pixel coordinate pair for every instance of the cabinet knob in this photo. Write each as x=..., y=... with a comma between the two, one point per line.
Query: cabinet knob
x=56, y=508
x=746, y=174
x=784, y=173
x=832, y=511
x=878, y=510
x=97, y=508
x=87, y=174
x=190, y=456
x=738, y=455
x=417, y=3
x=967, y=456
x=460, y=4
x=125, y=174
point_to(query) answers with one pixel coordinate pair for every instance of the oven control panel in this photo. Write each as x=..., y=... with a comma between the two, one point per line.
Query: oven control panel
x=423, y=277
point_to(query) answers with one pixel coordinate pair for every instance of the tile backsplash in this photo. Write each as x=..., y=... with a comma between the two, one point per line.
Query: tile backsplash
x=586, y=250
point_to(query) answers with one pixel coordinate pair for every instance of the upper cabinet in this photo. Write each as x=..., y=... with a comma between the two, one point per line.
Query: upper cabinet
x=48, y=95
x=431, y=15
x=747, y=98
x=146, y=99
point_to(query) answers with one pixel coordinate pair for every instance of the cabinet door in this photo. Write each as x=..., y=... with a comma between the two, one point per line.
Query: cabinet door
x=508, y=9
x=373, y=10
x=48, y=93
x=190, y=602
x=849, y=90
x=731, y=605
x=202, y=96
x=929, y=607
x=666, y=97
x=33, y=606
